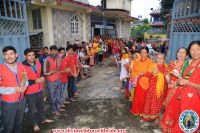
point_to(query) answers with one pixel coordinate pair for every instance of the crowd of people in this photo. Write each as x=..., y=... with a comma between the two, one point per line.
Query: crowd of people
x=161, y=91
x=51, y=77
x=153, y=86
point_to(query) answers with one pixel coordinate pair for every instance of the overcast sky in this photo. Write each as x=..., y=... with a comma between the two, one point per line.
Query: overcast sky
x=139, y=7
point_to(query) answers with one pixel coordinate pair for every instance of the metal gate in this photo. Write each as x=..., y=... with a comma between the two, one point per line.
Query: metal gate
x=13, y=26
x=185, y=25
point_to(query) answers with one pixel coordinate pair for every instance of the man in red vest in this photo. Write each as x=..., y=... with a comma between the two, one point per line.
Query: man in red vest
x=12, y=74
x=51, y=71
x=33, y=93
x=69, y=66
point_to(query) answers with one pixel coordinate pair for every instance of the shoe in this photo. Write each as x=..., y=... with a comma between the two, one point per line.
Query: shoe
x=72, y=99
x=146, y=124
x=66, y=102
x=45, y=99
x=76, y=95
x=36, y=128
x=56, y=113
x=141, y=121
x=47, y=121
x=62, y=110
x=63, y=106
x=157, y=131
x=122, y=90
x=78, y=91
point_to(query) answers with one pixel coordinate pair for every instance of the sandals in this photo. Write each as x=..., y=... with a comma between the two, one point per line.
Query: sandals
x=47, y=121
x=62, y=110
x=36, y=128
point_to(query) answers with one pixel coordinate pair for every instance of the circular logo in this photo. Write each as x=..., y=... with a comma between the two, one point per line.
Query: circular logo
x=189, y=121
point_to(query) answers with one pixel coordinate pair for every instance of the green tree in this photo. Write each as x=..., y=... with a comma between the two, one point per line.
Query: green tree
x=146, y=21
x=138, y=32
x=166, y=6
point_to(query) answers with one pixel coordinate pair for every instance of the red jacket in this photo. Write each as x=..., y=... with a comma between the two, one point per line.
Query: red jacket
x=71, y=62
x=34, y=72
x=10, y=79
x=63, y=66
x=53, y=67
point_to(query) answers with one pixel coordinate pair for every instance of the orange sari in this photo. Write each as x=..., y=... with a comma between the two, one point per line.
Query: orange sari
x=142, y=85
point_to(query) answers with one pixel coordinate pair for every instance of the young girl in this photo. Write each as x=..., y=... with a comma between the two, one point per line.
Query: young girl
x=124, y=72
x=133, y=81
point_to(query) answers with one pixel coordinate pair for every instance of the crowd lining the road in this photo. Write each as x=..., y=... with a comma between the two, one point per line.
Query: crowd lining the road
x=153, y=86
x=161, y=92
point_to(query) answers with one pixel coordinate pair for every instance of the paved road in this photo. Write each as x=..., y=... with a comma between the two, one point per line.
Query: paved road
x=100, y=105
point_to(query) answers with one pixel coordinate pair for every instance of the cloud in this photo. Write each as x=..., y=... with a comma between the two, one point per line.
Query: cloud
x=139, y=7
x=142, y=7
x=95, y=2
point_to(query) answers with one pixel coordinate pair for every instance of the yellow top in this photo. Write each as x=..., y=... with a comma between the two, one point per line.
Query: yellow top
x=96, y=47
x=160, y=79
x=141, y=67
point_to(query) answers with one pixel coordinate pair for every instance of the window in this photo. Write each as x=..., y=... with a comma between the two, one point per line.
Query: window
x=37, y=22
x=183, y=7
x=123, y=5
x=103, y=3
x=192, y=6
x=197, y=10
x=188, y=7
x=74, y=24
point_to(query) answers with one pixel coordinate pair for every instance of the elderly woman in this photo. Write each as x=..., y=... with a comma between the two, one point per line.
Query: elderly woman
x=156, y=92
x=189, y=84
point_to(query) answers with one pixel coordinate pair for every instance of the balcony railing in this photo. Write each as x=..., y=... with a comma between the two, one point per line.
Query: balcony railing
x=163, y=31
x=157, y=23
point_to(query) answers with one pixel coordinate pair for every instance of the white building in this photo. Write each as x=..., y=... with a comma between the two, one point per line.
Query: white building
x=83, y=1
x=58, y=21
x=113, y=18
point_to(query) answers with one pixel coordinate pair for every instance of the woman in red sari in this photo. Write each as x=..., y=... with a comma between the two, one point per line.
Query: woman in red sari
x=139, y=70
x=190, y=84
x=175, y=66
x=170, y=114
x=156, y=91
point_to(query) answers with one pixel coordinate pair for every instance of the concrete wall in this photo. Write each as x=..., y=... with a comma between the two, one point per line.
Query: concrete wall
x=117, y=4
x=88, y=27
x=123, y=29
x=46, y=17
x=126, y=30
x=56, y=26
x=62, y=27
x=83, y=1
x=113, y=4
x=118, y=28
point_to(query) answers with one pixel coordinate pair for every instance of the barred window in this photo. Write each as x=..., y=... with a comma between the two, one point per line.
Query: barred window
x=74, y=24
x=123, y=4
x=37, y=22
